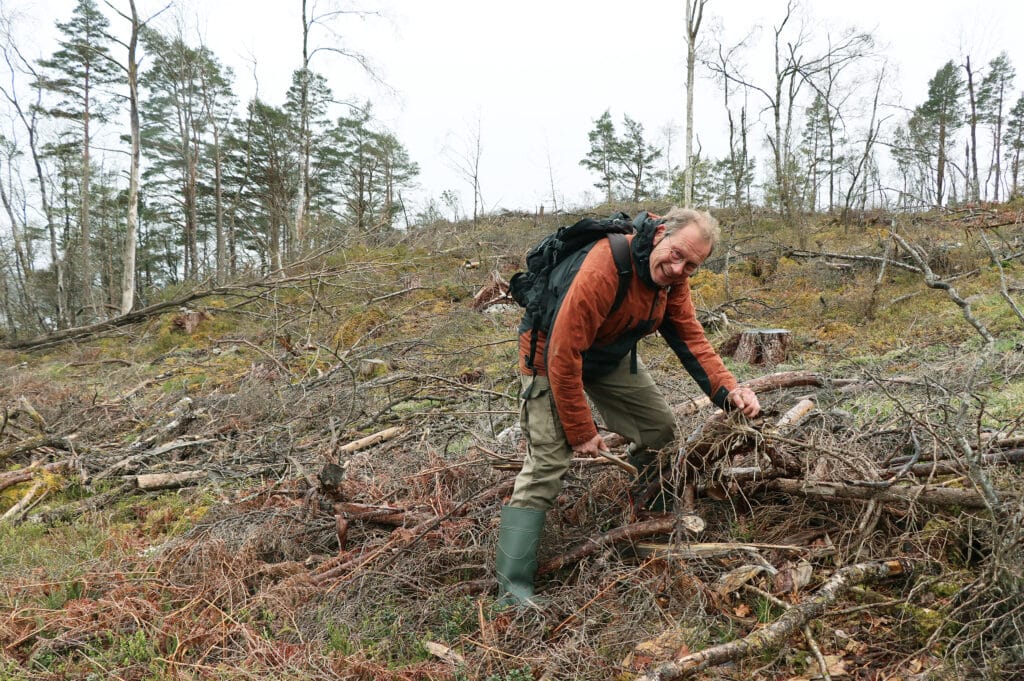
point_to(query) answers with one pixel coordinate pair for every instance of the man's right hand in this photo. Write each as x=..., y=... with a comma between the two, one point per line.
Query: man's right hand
x=592, y=447
x=595, y=446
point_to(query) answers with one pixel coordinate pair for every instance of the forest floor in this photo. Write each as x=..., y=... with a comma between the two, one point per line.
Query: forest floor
x=197, y=495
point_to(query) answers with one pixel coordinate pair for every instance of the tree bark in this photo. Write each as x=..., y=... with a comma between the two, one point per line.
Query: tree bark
x=763, y=346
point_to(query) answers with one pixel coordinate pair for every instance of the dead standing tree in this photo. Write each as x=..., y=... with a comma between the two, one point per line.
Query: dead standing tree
x=794, y=65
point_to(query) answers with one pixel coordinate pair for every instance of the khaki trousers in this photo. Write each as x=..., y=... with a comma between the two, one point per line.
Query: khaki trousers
x=630, y=404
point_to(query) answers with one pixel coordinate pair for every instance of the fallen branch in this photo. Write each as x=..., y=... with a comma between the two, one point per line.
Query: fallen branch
x=245, y=291
x=153, y=453
x=873, y=259
x=932, y=280
x=69, y=512
x=952, y=466
x=13, y=478
x=792, y=418
x=155, y=481
x=768, y=383
x=626, y=533
x=776, y=633
x=35, y=443
x=702, y=550
x=25, y=406
x=15, y=511
x=371, y=440
x=933, y=495
x=384, y=515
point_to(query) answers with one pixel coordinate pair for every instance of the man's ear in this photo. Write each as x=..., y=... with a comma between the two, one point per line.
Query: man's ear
x=659, y=234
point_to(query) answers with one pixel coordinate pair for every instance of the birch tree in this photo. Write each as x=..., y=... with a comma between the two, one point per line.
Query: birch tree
x=323, y=16
x=694, y=16
x=28, y=115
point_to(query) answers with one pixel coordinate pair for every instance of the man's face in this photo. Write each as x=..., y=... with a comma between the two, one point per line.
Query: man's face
x=675, y=257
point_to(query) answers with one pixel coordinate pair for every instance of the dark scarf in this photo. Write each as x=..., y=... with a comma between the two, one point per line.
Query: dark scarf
x=643, y=244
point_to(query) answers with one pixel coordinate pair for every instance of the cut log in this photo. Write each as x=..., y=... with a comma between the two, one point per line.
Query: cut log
x=794, y=416
x=155, y=481
x=763, y=346
x=24, y=503
x=371, y=440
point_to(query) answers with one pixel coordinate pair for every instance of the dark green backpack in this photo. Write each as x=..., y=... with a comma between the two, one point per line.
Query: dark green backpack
x=534, y=288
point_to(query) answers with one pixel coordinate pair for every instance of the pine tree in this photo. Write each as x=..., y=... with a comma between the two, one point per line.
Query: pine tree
x=183, y=86
x=603, y=155
x=636, y=159
x=814, y=149
x=1013, y=140
x=941, y=116
x=360, y=168
x=992, y=95
x=307, y=103
x=263, y=175
x=400, y=172
x=76, y=74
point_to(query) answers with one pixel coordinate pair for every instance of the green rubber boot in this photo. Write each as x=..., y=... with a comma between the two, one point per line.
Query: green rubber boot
x=516, y=562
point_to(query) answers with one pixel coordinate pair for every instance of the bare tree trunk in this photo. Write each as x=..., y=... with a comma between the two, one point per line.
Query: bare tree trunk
x=29, y=122
x=940, y=177
x=303, y=202
x=84, y=229
x=22, y=266
x=218, y=193
x=975, y=190
x=874, y=129
x=128, y=264
x=694, y=15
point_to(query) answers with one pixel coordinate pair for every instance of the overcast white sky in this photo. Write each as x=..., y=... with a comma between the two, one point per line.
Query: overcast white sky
x=536, y=73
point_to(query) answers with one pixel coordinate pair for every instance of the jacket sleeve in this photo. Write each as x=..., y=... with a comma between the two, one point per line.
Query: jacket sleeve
x=584, y=309
x=686, y=337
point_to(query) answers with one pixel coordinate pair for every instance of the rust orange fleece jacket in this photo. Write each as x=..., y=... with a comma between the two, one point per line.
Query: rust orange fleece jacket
x=583, y=324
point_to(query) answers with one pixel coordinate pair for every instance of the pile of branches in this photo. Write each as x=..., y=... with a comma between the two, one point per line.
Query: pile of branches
x=372, y=557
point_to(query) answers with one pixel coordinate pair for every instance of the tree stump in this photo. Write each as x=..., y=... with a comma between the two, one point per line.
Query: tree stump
x=763, y=346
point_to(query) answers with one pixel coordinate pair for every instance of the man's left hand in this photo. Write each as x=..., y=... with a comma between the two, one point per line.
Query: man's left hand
x=744, y=400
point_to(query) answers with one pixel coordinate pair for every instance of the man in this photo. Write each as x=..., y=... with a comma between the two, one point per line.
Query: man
x=591, y=351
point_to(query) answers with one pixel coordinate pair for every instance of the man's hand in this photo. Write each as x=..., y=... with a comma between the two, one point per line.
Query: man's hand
x=745, y=401
x=592, y=447
x=595, y=446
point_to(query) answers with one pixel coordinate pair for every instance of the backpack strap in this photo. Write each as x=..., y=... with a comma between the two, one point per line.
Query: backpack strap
x=623, y=266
